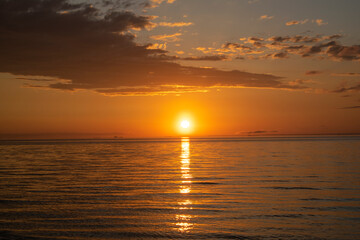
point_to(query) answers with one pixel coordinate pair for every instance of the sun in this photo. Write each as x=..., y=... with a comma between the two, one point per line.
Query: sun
x=185, y=124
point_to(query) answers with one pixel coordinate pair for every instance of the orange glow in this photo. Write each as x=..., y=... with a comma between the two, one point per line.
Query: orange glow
x=185, y=124
x=186, y=202
x=184, y=226
x=171, y=84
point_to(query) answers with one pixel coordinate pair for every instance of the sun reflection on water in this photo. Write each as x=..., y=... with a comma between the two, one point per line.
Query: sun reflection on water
x=184, y=220
x=185, y=166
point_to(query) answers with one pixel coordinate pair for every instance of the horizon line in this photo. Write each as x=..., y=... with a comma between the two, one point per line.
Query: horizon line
x=177, y=137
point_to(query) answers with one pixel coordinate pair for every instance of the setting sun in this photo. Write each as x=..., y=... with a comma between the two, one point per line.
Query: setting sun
x=185, y=124
x=179, y=119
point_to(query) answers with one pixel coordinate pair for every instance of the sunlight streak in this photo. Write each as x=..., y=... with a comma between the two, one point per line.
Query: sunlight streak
x=183, y=220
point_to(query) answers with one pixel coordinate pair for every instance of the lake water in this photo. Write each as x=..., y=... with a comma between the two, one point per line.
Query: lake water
x=244, y=188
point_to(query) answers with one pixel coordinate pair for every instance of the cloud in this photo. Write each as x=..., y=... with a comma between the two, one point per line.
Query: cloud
x=296, y=22
x=150, y=91
x=339, y=52
x=349, y=74
x=316, y=48
x=258, y=132
x=156, y=3
x=280, y=55
x=319, y=22
x=236, y=46
x=351, y=107
x=207, y=58
x=331, y=37
x=355, y=88
x=81, y=47
x=300, y=81
x=303, y=39
x=279, y=47
x=266, y=17
x=175, y=24
x=161, y=46
x=167, y=38
x=313, y=72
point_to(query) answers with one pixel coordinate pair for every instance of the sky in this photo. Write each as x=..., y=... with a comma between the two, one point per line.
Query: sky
x=137, y=68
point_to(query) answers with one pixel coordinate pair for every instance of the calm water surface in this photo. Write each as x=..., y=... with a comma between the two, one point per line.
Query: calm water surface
x=246, y=188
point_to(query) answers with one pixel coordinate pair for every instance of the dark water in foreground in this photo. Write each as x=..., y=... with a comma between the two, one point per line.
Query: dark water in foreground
x=252, y=188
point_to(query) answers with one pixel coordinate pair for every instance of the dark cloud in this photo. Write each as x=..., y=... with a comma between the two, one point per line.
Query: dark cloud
x=295, y=48
x=277, y=47
x=313, y=72
x=355, y=88
x=237, y=46
x=260, y=132
x=318, y=48
x=296, y=22
x=351, y=107
x=159, y=90
x=207, y=58
x=277, y=55
x=297, y=39
x=280, y=55
x=303, y=39
x=255, y=39
x=300, y=81
x=340, y=52
x=335, y=36
x=83, y=47
x=279, y=39
x=35, y=79
x=349, y=74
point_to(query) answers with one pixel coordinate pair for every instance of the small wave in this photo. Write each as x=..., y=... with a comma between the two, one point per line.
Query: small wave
x=332, y=199
x=294, y=188
x=205, y=183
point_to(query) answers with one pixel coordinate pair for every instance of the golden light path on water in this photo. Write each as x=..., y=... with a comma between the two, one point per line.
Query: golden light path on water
x=184, y=220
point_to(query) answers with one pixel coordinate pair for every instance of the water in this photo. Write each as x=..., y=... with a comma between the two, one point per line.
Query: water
x=246, y=188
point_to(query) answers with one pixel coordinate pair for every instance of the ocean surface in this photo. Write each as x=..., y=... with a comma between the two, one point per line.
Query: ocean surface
x=230, y=188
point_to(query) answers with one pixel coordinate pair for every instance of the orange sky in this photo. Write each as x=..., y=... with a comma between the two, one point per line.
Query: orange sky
x=232, y=68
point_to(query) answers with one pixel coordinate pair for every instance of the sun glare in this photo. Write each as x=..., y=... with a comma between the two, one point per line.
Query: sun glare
x=185, y=124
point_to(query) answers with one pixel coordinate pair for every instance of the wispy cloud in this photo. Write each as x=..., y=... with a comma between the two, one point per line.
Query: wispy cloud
x=349, y=74
x=345, y=89
x=167, y=38
x=207, y=58
x=296, y=22
x=156, y=3
x=320, y=22
x=151, y=91
x=258, y=132
x=161, y=46
x=278, y=47
x=175, y=24
x=266, y=17
x=313, y=72
x=351, y=107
